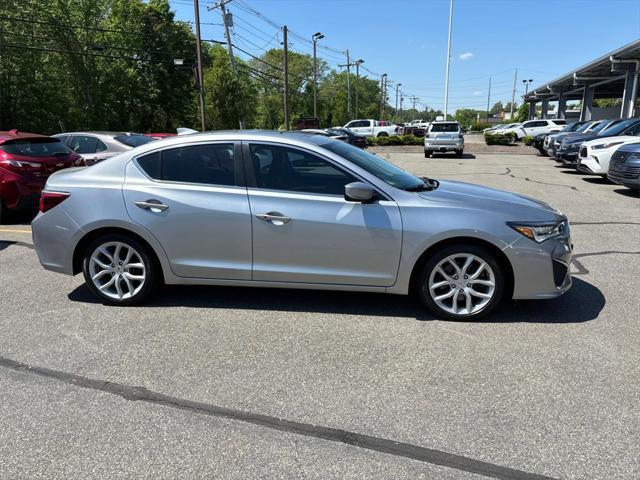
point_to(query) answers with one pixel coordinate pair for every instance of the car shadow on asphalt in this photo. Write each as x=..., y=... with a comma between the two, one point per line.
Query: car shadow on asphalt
x=468, y=156
x=596, y=180
x=580, y=304
x=628, y=192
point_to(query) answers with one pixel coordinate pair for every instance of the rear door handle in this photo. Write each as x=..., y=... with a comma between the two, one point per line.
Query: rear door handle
x=153, y=205
x=275, y=218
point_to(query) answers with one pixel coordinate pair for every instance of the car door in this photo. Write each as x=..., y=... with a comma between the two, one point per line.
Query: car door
x=304, y=230
x=192, y=198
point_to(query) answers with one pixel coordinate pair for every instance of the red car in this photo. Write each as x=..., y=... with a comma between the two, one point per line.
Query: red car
x=26, y=161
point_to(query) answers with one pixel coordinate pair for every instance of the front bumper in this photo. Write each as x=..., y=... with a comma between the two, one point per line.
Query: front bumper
x=628, y=177
x=541, y=270
x=567, y=157
x=590, y=165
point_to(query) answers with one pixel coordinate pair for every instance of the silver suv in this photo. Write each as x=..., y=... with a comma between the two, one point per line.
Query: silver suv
x=295, y=210
x=444, y=137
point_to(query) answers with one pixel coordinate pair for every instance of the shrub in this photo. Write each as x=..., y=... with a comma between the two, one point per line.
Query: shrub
x=497, y=138
x=528, y=140
x=478, y=127
x=396, y=140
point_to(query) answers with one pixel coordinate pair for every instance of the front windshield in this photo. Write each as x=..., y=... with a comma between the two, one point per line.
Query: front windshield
x=619, y=127
x=385, y=171
x=599, y=127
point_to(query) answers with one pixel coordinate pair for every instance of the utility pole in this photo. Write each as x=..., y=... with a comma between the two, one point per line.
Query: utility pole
x=227, y=20
x=286, y=77
x=383, y=94
x=397, y=93
x=358, y=62
x=196, y=7
x=348, y=85
x=446, y=79
x=413, y=100
x=513, y=94
x=401, y=100
x=488, y=99
x=314, y=38
x=349, y=65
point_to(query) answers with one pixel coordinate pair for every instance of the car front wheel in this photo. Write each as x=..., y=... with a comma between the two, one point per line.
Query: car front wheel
x=461, y=282
x=120, y=270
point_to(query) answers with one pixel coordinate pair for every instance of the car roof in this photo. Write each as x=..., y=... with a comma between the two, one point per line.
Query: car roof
x=15, y=134
x=98, y=132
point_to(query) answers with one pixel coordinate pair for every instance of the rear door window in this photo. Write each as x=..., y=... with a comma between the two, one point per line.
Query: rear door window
x=86, y=144
x=210, y=164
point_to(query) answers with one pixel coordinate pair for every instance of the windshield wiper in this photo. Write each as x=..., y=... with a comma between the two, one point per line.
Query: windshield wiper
x=427, y=185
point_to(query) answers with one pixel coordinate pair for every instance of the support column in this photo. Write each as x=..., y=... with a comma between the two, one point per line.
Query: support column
x=587, y=103
x=545, y=108
x=532, y=110
x=630, y=94
x=562, y=106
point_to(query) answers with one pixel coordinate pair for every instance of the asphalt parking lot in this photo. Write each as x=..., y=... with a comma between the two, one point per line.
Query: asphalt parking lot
x=249, y=383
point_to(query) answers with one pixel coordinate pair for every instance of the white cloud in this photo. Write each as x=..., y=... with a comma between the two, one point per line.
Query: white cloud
x=466, y=56
x=476, y=93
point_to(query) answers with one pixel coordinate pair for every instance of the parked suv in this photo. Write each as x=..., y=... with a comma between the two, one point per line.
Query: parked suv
x=26, y=160
x=624, y=167
x=97, y=146
x=595, y=155
x=536, y=127
x=371, y=128
x=444, y=137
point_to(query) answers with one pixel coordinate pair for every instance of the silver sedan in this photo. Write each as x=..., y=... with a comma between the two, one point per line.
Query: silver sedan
x=296, y=210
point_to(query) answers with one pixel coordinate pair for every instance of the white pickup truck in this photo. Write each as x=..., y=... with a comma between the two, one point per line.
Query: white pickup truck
x=371, y=128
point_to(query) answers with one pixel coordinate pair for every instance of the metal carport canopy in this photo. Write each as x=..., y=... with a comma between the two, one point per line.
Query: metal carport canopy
x=598, y=73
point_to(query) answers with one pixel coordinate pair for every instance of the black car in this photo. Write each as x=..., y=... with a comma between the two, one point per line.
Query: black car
x=351, y=137
x=538, y=140
x=624, y=167
x=567, y=153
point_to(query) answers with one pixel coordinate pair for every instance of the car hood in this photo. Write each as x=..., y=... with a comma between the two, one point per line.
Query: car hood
x=512, y=205
x=579, y=137
x=621, y=138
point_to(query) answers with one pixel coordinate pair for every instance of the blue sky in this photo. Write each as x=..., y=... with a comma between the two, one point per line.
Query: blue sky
x=408, y=39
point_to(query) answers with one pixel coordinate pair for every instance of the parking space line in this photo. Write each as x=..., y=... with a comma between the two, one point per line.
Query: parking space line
x=13, y=230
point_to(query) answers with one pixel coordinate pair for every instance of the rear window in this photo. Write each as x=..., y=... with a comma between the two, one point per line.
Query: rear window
x=560, y=122
x=35, y=147
x=134, y=140
x=445, y=127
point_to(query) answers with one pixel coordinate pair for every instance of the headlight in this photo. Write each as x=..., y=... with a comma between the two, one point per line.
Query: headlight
x=606, y=145
x=633, y=156
x=539, y=232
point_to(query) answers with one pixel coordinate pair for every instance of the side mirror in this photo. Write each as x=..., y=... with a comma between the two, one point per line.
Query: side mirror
x=359, y=192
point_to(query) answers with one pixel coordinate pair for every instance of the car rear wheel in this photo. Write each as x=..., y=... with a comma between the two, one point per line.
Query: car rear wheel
x=459, y=153
x=120, y=270
x=461, y=282
x=3, y=212
x=383, y=134
x=427, y=154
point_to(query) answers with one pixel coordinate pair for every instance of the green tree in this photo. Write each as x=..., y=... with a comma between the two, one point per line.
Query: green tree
x=497, y=108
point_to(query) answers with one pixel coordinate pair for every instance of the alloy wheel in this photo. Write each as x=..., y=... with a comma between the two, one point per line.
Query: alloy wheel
x=117, y=270
x=462, y=284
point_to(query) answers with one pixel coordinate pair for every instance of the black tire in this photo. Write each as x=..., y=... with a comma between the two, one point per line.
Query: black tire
x=425, y=274
x=153, y=272
x=459, y=153
x=543, y=152
x=427, y=154
x=3, y=212
x=383, y=134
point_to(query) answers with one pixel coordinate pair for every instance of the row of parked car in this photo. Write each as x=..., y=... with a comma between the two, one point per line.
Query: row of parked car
x=530, y=128
x=28, y=159
x=609, y=148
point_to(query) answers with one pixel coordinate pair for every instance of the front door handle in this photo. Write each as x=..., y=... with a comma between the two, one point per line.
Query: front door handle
x=153, y=205
x=274, y=218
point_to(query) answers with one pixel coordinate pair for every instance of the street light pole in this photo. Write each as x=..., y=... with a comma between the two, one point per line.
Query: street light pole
x=526, y=85
x=314, y=38
x=446, y=80
x=383, y=94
